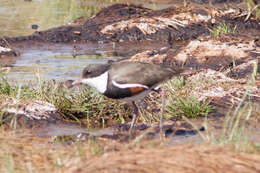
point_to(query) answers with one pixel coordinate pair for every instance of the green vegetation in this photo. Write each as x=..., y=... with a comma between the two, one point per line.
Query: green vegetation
x=189, y=107
x=234, y=132
x=253, y=9
x=182, y=103
x=235, y=129
x=85, y=103
x=5, y=88
x=222, y=28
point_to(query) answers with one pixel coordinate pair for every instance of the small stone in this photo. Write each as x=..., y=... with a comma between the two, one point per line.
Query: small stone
x=202, y=128
x=168, y=132
x=34, y=26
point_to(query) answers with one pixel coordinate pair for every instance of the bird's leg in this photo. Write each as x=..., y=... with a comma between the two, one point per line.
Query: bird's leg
x=161, y=92
x=134, y=117
x=162, y=111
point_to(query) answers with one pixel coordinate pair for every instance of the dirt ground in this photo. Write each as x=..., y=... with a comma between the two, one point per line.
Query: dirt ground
x=186, y=159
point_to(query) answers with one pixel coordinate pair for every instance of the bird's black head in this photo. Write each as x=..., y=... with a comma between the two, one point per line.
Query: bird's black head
x=94, y=70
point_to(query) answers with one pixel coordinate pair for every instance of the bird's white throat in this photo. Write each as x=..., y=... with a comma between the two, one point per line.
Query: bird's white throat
x=99, y=82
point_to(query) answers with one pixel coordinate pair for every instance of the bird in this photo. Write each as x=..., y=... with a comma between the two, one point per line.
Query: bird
x=128, y=81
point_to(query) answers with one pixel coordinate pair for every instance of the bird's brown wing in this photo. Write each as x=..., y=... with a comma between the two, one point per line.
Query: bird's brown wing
x=140, y=73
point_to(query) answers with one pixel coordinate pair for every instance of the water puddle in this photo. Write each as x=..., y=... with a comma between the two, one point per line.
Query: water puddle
x=65, y=62
x=44, y=64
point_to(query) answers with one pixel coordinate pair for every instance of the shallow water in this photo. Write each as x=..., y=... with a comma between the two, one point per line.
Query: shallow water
x=44, y=64
x=17, y=18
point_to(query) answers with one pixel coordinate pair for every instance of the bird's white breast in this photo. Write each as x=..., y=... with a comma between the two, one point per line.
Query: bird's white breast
x=99, y=82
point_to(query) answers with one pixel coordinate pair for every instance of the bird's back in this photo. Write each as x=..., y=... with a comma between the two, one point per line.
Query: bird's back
x=141, y=73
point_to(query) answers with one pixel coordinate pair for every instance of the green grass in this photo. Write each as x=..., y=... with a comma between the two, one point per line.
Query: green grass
x=235, y=126
x=5, y=88
x=76, y=103
x=182, y=103
x=85, y=105
x=235, y=130
x=222, y=28
x=189, y=107
x=253, y=9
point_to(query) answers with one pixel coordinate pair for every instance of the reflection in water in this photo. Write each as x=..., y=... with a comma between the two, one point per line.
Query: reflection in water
x=17, y=17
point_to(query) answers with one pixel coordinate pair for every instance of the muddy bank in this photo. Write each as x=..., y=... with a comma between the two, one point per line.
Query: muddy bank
x=225, y=72
x=45, y=121
x=207, y=52
x=125, y=30
x=7, y=56
x=124, y=23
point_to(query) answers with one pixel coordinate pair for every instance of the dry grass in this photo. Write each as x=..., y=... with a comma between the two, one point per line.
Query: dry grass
x=187, y=158
x=22, y=152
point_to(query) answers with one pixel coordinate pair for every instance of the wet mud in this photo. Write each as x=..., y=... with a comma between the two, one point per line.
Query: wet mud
x=131, y=23
x=96, y=29
x=51, y=125
x=7, y=56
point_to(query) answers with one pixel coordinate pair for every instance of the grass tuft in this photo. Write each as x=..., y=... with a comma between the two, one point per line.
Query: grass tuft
x=5, y=88
x=182, y=103
x=189, y=107
x=81, y=104
x=222, y=29
x=253, y=9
